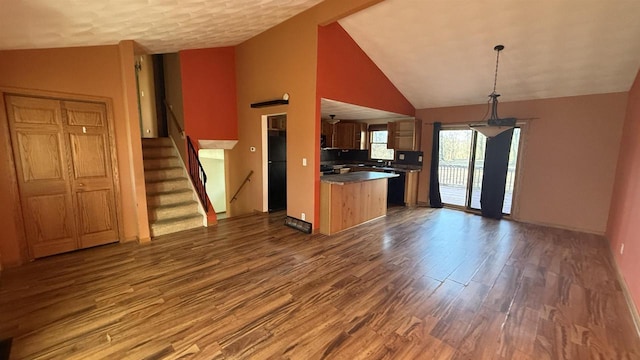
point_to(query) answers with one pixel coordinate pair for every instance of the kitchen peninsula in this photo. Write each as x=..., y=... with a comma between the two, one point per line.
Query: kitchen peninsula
x=350, y=199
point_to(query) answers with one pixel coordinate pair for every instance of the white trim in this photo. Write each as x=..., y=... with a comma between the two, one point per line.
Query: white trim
x=517, y=183
x=265, y=163
x=265, y=159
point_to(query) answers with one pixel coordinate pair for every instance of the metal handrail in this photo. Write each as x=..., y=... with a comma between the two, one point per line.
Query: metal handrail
x=246, y=180
x=197, y=175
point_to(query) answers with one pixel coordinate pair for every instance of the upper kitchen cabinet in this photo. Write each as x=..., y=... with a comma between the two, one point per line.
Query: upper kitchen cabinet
x=328, y=133
x=404, y=135
x=350, y=135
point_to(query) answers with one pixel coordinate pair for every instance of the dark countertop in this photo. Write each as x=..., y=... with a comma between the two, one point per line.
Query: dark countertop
x=351, y=177
x=397, y=168
x=373, y=167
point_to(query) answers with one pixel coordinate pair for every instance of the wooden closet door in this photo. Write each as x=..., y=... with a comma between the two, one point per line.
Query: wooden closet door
x=42, y=170
x=92, y=178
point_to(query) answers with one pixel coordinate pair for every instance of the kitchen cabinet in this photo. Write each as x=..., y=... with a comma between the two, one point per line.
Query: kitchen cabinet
x=277, y=123
x=350, y=135
x=404, y=135
x=348, y=200
x=327, y=131
x=402, y=190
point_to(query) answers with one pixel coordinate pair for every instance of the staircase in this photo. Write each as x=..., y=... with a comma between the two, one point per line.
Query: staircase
x=170, y=199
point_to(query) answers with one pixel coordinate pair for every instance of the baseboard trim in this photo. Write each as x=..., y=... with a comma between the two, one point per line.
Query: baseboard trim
x=558, y=226
x=144, y=241
x=130, y=239
x=627, y=295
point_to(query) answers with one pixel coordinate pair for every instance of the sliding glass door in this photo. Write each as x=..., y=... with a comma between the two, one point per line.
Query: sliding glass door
x=453, y=172
x=461, y=168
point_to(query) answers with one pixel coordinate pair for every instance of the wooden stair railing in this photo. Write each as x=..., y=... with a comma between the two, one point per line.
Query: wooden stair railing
x=174, y=118
x=246, y=180
x=197, y=175
x=196, y=171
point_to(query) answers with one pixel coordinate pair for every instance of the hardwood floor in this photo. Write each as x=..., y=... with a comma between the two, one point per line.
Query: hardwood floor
x=417, y=284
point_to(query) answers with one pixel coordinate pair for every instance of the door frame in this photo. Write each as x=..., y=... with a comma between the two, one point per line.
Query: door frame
x=264, y=123
x=519, y=173
x=5, y=136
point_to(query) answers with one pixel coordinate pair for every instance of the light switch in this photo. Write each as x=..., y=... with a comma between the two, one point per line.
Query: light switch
x=401, y=157
x=304, y=161
x=420, y=158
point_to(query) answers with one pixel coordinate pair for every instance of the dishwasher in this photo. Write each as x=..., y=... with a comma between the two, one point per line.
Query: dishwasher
x=395, y=191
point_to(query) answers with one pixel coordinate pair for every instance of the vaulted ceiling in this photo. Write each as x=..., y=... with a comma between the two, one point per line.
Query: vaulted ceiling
x=440, y=52
x=437, y=52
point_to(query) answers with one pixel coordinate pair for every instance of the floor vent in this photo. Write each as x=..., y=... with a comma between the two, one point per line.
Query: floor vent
x=298, y=224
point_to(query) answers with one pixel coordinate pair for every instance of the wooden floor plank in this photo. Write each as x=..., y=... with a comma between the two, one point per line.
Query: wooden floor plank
x=417, y=284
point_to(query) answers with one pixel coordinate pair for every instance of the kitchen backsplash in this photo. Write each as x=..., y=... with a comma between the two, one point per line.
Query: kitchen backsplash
x=339, y=155
x=408, y=157
x=344, y=155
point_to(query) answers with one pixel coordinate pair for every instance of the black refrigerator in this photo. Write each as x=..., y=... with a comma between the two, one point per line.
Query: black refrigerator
x=277, y=170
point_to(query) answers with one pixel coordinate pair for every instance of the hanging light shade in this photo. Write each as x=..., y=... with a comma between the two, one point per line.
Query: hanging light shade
x=333, y=121
x=494, y=126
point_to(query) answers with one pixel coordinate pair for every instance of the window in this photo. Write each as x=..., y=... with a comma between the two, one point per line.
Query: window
x=379, y=149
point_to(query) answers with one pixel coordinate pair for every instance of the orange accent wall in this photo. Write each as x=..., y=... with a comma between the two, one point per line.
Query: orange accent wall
x=347, y=74
x=92, y=71
x=282, y=60
x=568, y=160
x=624, y=219
x=209, y=93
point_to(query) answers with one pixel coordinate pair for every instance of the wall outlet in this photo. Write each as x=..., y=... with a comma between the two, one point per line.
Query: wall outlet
x=303, y=216
x=622, y=249
x=304, y=163
x=401, y=157
x=419, y=158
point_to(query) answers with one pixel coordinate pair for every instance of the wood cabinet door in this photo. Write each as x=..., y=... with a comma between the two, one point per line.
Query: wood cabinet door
x=345, y=135
x=42, y=170
x=417, y=135
x=91, y=177
x=327, y=130
x=65, y=173
x=391, y=135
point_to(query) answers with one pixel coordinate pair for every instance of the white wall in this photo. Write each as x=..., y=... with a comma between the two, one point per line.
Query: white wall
x=213, y=163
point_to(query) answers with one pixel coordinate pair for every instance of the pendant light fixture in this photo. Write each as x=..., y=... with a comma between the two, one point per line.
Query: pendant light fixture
x=333, y=121
x=494, y=126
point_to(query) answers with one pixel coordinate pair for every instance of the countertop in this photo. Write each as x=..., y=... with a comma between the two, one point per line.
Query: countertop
x=351, y=177
x=374, y=167
x=397, y=168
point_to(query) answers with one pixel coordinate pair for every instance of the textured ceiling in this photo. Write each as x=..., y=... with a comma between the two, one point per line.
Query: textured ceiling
x=160, y=26
x=345, y=111
x=440, y=52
